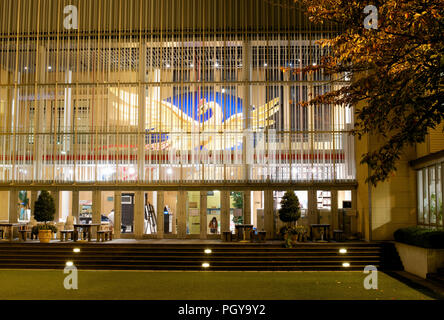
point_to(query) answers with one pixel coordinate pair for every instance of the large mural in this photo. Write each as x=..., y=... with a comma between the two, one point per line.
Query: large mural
x=190, y=121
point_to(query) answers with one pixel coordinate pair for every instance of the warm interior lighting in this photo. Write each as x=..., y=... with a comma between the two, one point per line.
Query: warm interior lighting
x=169, y=171
x=342, y=250
x=208, y=251
x=205, y=265
x=69, y=263
x=76, y=250
x=265, y=64
x=346, y=264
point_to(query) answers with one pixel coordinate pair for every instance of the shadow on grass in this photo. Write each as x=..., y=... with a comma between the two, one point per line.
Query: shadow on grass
x=414, y=285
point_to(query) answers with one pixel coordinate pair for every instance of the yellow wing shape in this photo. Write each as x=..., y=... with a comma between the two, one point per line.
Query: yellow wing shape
x=259, y=117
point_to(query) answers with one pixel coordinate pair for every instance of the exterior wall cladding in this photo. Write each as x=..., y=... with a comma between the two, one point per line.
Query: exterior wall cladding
x=166, y=92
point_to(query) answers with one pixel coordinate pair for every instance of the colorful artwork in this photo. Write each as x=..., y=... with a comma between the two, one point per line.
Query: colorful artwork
x=217, y=118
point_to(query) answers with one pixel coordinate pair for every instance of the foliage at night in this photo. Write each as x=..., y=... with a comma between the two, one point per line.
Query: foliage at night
x=44, y=209
x=290, y=210
x=395, y=71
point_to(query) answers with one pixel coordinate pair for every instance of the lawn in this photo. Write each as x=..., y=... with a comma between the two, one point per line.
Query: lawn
x=123, y=285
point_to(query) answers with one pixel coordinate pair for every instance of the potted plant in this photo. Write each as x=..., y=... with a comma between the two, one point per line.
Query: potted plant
x=44, y=211
x=289, y=213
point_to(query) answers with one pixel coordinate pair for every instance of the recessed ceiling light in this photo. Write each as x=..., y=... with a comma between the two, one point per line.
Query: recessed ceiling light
x=69, y=263
x=265, y=64
x=76, y=250
x=205, y=265
x=342, y=250
x=346, y=264
x=49, y=68
x=208, y=251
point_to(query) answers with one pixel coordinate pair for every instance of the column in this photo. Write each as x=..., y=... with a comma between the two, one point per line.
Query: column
x=334, y=212
x=33, y=200
x=139, y=218
x=356, y=223
x=312, y=207
x=224, y=211
x=247, y=207
x=203, y=214
x=268, y=214
x=96, y=210
x=181, y=214
x=117, y=214
x=75, y=205
x=13, y=210
x=160, y=215
x=56, y=195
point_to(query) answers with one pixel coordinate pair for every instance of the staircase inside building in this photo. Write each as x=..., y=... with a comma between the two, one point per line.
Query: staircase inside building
x=226, y=257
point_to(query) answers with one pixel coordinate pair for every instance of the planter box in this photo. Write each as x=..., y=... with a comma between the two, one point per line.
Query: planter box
x=420, y=261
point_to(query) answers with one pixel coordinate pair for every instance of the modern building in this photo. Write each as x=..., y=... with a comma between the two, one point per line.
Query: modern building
x=175, y=112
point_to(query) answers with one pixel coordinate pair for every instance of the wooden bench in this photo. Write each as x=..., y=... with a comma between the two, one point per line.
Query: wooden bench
x=64, y=235
x=23, y=234
x=104, y=235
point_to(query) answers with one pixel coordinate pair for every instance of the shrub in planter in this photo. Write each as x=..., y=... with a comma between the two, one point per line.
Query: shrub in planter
x=294, y=235
x=421, y=237
x=44, y=211
x=290, y=210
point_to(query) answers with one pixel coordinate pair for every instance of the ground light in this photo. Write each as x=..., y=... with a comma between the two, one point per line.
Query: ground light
x=346, y=264
x=208, y=251
x=76, y=250
x=342, y=250
x=69, y=263
x=205, y=265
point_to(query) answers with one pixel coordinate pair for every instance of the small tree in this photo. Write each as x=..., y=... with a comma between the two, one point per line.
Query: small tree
x=44, y=210
x=290, y=210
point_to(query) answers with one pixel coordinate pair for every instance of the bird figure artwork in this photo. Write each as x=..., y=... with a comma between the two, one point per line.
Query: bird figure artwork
x=190, y=121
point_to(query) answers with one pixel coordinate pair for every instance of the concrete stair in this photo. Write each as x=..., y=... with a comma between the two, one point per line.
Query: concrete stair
x=224, y=256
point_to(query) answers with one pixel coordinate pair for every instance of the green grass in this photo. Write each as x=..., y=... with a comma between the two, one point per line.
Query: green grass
x=123, y=285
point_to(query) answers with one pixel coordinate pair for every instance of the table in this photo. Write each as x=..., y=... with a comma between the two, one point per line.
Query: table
x=326, y=228
x=243, y=231
x=86, y=230
x=9, y=226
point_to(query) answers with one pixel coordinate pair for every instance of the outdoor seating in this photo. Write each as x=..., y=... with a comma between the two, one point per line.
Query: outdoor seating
x=24, y=233
x=338, y=235
x=104, y=235
x=227, y=236
x=65, y=233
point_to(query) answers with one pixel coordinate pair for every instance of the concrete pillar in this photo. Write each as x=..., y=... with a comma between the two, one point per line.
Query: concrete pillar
x=160, y=215
x=139, y=220
x=203, y=215
x=312, y=207
x=33, y=200
x=96, y=210
x=268, y=214
x=247, y=207
x=224, y=211
x=334, y=212
x=75, y=205
x=56, y=195
x=117, y=214
x=13, y=208
x=181, y=214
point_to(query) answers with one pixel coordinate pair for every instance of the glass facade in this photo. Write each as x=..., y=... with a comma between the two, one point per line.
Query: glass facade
x=129, y=97
x=430, y=194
